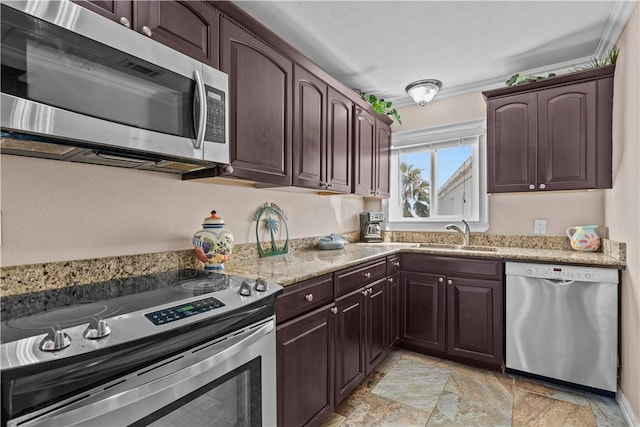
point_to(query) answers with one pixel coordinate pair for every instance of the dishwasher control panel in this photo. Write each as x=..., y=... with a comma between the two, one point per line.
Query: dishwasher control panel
x=562, y=272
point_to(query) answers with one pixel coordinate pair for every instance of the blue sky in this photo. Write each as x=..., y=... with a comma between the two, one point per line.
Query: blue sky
x=449, y=160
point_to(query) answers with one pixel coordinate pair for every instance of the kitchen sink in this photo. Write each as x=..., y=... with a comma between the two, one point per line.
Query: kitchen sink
x=457, y=247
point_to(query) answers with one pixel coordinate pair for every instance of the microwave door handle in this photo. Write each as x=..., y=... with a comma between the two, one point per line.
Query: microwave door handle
x=199, y=101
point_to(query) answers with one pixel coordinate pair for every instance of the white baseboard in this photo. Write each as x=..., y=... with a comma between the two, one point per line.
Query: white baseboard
x=626, y=409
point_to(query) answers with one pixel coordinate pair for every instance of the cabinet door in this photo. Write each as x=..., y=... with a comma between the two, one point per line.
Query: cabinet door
x=567, y=137
x=309, y=130
x=339, y=142
x=190, y=27
x=393, y=310
x=364, y=152
x=120, y=11
x=474, y=324
x=350, y=334
x=260, y=95
x=511, y=143
x=305, y=368
x=423, y=311
x=383, y=146
x=376, y=348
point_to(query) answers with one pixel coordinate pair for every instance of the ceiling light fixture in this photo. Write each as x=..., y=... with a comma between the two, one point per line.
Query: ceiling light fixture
x=423, y=91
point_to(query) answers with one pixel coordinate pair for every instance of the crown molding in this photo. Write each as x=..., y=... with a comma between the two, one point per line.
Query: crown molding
x=617, y=20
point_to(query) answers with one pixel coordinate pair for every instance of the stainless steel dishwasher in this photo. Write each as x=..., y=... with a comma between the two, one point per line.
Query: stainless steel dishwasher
x=562, y=323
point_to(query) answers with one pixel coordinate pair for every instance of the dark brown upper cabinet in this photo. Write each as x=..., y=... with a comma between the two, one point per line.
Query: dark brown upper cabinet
x=372, y=139
x=553, y=134
x=339, y=141
x=190, y=27
x=260, y=86
x=309, y=130
x=321, y=135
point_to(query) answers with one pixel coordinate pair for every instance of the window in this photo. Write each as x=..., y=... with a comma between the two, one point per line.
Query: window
x=437, y=177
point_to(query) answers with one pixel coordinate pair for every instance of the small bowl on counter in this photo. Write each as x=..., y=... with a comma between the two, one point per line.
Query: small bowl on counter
x=331, y=242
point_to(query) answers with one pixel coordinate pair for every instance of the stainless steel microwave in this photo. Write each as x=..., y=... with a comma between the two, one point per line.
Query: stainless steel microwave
x=78, y=87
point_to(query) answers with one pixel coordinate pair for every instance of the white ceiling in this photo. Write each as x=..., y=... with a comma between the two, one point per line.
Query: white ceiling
x=381, y=46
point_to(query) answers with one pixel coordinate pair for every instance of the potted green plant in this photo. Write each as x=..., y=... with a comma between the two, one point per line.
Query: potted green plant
x=609, y=59
x=381, y=106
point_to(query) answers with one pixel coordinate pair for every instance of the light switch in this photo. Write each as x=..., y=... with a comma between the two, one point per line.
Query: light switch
x=540, y=227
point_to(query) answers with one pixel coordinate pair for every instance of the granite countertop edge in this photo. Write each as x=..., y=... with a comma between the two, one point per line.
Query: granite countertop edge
x=306, y=264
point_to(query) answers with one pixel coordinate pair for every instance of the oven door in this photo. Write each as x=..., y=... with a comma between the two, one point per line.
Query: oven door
x=226, y=382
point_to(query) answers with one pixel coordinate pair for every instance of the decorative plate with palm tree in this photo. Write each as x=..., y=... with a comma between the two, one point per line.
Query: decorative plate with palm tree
x=270, y=218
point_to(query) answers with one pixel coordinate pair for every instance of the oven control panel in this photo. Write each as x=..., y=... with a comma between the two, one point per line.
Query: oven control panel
x=178, y=312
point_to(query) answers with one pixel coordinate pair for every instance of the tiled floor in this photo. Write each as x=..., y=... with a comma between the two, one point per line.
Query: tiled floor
x=410, y=389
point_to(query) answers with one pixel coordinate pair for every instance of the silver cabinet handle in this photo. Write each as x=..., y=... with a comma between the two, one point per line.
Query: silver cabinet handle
x=146, y=31
x=440, y=279
x=390, y=279
x=367, y=275
x=364, y=292
x=532, y=187
x=449, y=282
x=308, y=297
x=199, y=100
x=124, y=21
x=397, y=263
x=334, y=310
x=542, y=186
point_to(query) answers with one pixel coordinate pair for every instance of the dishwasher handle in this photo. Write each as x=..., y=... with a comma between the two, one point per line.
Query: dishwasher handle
x=557, y=282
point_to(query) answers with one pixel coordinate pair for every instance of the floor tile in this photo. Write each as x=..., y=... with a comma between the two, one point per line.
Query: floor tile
x=455, y=410
x=389, y=362
x=413, y=384
x=607, y=412
x=377, y=410
x=474, y=397
x=429, y=360
x=551, y=390
x=333, y=420
x=481, y=385
x=350, y=402
x=531, y=409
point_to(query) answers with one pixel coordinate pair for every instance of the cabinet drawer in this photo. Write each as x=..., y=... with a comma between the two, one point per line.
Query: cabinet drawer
x=303, y=297
x=460, y=266
x=393, y=264
x=352, y=278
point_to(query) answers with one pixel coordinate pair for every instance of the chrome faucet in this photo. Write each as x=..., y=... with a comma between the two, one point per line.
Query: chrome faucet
x=465, y=234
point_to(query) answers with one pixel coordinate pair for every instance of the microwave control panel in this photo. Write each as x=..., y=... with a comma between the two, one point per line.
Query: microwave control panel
x=215, y=129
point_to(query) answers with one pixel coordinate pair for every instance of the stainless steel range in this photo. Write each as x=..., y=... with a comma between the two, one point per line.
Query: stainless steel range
x=178, y=348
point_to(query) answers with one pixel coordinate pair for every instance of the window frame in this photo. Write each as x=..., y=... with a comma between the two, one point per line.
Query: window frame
x=414, y=139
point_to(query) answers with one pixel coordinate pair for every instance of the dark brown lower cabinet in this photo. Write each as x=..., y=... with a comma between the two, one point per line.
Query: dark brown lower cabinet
x=361, y=335
x=455, y=312
x=376, y=324
x=474, y=319
x=423, y=305
x=305, y=352
x=350, y=334
x=393, y=310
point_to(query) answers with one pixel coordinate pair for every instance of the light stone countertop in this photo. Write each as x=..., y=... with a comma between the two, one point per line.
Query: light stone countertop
x=309, y=263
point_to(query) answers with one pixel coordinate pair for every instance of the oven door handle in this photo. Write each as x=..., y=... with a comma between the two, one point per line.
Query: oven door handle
x=157, y=386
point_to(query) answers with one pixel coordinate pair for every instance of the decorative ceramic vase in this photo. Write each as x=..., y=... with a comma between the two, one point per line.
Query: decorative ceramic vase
x=214, y=243
x=584, y=238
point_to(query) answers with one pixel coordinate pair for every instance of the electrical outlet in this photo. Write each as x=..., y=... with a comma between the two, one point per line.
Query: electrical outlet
x=540, y=227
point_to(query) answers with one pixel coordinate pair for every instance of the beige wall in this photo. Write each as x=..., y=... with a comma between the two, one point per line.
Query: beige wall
x=622, y=203
x=56, y=211
x=511, y=214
